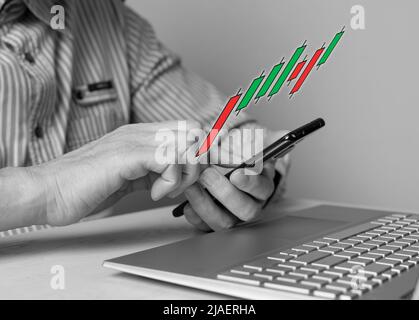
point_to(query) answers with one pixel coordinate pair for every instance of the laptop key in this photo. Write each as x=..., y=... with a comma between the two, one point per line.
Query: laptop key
x=346, y=279
x=278, y=270
x=265, y=275
x=329, y=262
x=375, y=242
x=331, y=249
x=360, y=261
x=305, y=274
x=280, y=257
x=390, y=229
x=327, y=293
x=381, y=222
x=290, y=287
x=346, y=254
x=412, y=248
x=349, y=232
x=382, y=240
x=241, y=270
x=316, y=245
x=358, y=276
x=388, y=248
x=324, y=276
x=390, y=274
x=375, y=269
x=292, y=253
x=289, y=278
x=344, y=287
x=388, y=262
x=400, y=215
x=317, y=283
x=357, y=249
x=346, y=266
x=351, y=241
x=397, y=257
x=289, y=265
x=398, y=244
x=348, y=296
x=310, y=257
x=376, y=232
x=338, y=272
x=407, y=264
x=392, y=218
x=367, y=247
x=315, y=269
x=380, y=279
x=399, y=269
x=369, y=284
x=408, y=241
x=325, y=241
x=379, y=252
x=341, y=246
x=304, y=249
x=372, y=257
x=239, y=278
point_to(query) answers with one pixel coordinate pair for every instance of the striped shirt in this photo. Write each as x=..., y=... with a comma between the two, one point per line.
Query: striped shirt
x=60, y=89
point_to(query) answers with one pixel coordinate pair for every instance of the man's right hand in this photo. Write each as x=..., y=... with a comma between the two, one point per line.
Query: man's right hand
x=98, y=174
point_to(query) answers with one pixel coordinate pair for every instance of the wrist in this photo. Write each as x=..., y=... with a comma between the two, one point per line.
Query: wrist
x=22, y=198
x=36, y=189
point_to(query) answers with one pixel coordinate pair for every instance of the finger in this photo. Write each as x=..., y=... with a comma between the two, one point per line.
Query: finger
x=190, y=171
x=176, y=125
x=258, y=186
x=239, y=203
x=207, y=210
x=193, y=218
x=167, y=182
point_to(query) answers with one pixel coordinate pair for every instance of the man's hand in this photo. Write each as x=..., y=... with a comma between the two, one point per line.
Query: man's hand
x=100, y=173
x=242, y=196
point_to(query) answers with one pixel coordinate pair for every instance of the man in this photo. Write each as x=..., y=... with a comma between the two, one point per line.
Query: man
x=79, y=110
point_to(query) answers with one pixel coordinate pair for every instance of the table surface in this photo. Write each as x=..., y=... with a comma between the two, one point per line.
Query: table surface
x=27, y=261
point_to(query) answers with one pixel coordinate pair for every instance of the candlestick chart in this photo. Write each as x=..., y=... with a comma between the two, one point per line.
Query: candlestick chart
x=271, y=84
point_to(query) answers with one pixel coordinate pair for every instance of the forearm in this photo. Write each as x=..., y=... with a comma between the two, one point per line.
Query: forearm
x=22, y=198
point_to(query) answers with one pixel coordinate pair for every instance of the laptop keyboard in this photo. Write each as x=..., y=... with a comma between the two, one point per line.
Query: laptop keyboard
x=342, y=265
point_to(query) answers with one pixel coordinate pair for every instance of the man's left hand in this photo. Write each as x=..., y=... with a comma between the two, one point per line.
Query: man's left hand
x=242, y=196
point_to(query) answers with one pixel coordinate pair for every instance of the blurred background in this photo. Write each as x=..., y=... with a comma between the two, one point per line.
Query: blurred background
x=367, y=91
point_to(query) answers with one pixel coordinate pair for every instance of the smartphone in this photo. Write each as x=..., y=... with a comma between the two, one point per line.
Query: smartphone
x=276, y=150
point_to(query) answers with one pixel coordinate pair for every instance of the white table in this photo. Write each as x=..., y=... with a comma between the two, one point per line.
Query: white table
x=26, y=259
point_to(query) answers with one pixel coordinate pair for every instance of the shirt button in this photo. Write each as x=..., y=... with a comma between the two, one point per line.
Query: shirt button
x=29, y=57
x=39, y=133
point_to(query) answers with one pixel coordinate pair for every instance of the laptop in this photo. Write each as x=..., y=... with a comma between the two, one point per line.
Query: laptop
x=324, y=252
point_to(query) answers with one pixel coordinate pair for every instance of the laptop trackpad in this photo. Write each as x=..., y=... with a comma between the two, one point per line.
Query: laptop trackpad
x=208, y=254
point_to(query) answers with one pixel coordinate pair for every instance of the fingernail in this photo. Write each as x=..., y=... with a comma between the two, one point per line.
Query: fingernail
x=209, y=177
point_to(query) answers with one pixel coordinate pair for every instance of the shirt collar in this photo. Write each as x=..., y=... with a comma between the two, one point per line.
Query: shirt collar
x=41, y=9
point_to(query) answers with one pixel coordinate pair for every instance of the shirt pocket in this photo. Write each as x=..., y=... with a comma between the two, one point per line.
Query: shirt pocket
x=95, y=110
